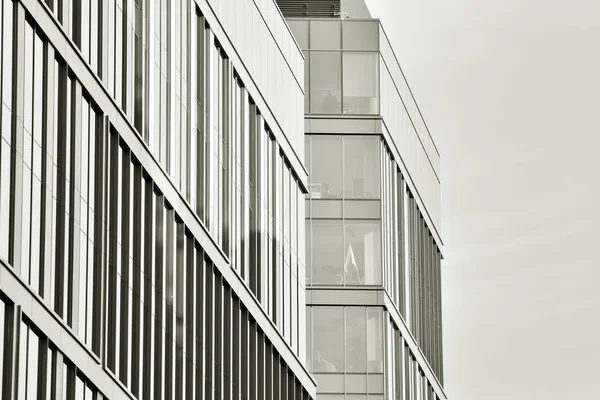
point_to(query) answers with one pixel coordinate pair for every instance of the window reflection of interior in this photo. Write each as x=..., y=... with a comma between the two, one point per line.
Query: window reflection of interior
x=357, y=80
x=344, y=167
x=345, y=252
x=350, y=343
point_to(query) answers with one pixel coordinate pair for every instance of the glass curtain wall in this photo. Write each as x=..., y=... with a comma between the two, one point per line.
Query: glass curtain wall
x=341, y=66
x=344, y=229
x=346, y=350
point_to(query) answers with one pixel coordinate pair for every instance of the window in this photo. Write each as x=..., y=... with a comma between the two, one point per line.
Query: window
x=362, y=252
x=356, y=340
x=3, y=345
x=374, y=340
x=325, y=252
x=326, y=167
x=361, y=167
x=344, y=166
x=328, y=339
x=361, y=83
x=344, y=252
x=325, y=82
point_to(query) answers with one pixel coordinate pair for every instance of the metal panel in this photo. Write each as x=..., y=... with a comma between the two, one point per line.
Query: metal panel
x=310, y=8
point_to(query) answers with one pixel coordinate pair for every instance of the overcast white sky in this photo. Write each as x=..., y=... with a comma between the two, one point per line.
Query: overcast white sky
x=510, y=90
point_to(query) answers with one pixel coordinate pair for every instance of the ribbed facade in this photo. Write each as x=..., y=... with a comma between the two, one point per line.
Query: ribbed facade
x=151, y=188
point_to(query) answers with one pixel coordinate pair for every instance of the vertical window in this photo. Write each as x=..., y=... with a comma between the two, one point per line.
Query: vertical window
x=325, y=169
x=361, y=83
x=356, y=340
x=374, y=340
x=3, y=344
x=328, y=339
x=325, y=82
x=27, y=156
x=362, y=252
x=325, y=251
x=361, y=167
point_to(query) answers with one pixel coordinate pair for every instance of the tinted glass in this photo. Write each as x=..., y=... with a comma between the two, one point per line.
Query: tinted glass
x=328, y=339
x=374, y=340
x=362, y=249
x=361, y=167
x=326, y=167
x=300, y=31
x=325, y=82
x=327, y=250
x=325, y=35
x=356, y=340
x=361, y=83
x=360, y=35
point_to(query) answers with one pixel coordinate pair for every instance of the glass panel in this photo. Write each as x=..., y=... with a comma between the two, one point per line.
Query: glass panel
x=1, y=333
x=325, y=35
x=374, y=340
x=79, y=388
x=362, y=249
x=32, y=366
x=360, y=35
x=327, y=252
x=361, y=83
x=361, y=167
x=328, y=339
x=325, y=82
x=22, y=376
x=325, y=168
x=306, y=82
x=300, y=32
x=356, y=340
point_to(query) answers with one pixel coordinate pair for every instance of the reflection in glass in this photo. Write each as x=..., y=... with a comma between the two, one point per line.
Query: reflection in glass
x=325, y=82
x=362, y=250
x=356, y=340
x=328, y=339
x=374, y=340
x=327, y=250
x=361, y=84
x=361, y=167
x=326, y=167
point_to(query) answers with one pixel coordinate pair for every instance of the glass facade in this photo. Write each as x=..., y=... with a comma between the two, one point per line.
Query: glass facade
x=373, y=251
x=151, y=189
x=346, y=348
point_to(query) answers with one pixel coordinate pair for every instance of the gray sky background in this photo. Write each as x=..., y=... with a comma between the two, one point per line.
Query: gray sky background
x=510, y=90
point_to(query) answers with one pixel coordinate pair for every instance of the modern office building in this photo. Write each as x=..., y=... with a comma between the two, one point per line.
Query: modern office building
x=372, y=212
x=151, y=188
